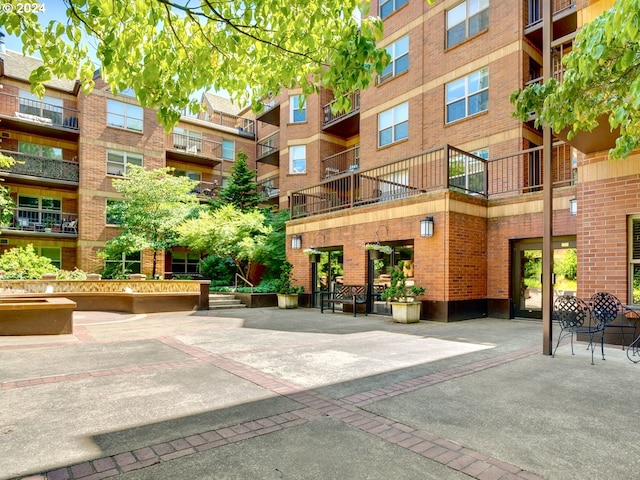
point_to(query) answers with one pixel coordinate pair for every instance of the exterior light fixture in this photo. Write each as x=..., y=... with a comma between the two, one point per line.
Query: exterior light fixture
x=426, y=227
x=573, y=206
x=296, y=242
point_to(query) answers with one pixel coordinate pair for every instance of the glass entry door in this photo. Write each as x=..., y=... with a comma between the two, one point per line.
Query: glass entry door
x=326, y=271
x=526, y=263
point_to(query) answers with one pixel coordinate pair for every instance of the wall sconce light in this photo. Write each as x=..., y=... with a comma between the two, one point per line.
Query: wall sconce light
x=426, y=227
x=296, y=242
x=573, y=206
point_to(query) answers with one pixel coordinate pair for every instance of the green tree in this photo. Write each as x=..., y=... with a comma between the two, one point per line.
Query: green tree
x=23, y=263
x=165, y=50
x=602, y=79
x=241, y=189
x=6, y=202
x=273, y=253
x=226, y=232
x=154, y=203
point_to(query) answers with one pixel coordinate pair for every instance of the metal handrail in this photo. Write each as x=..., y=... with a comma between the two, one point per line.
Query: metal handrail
x=235, y=289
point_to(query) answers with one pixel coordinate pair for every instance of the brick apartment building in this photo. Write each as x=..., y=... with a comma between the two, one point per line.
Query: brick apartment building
x=432, y=144
x=428, y=163
x=68, y=148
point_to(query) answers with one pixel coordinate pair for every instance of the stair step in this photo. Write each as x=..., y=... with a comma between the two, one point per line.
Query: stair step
x=224, y=301
x=225, y=306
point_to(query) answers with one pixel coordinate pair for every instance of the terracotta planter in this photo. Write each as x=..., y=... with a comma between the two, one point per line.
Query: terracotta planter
x=287, y=301
x=402, y=312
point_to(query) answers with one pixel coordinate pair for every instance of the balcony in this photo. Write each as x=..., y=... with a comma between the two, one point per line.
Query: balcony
x=269, y=150
x=206, y=191
x=343, y=124
x=565, y=19
x=342, y=162
x=243, y=126
x=270, y=114
x=28, y=221
x=43, y=171
x=269, y=190
x=436, y=169
x=39, y=118
x=190, y=149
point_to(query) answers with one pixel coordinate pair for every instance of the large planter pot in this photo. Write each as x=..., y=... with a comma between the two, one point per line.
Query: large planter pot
x=287, y=301
x=402, y=312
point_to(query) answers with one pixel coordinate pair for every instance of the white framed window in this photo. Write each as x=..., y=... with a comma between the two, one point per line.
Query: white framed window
x=297, y=109
x=118, y=162
x=125, y=115
x=387, y=7
x=466, y=19
x=35, y=211
x=46, y=107
x=187, y=140
x=393, y=125
x=185, y=263
x=399, y=52
x=468, y=95
x=228, y=150
x=298, y=159
x=38, y=150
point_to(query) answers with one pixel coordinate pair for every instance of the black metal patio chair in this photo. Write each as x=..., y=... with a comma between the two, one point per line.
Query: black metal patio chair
x=610, y=311
x=574, y=317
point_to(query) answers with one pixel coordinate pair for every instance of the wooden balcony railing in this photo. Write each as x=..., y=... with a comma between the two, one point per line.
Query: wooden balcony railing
x=194, y=145
x=31, y=220
x=37, y=112
x=346, y=161
x=42, y=167
x=244, y=126
x=435, y=169
x=330, y=117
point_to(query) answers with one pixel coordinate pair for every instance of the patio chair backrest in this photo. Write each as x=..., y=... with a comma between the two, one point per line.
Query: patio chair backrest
x=605, y=307
x=569, y=311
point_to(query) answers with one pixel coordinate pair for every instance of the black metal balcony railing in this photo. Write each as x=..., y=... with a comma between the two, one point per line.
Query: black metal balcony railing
x=435, y=169
x=37, y=112
x=31, y=220
x=346, y=161
x=42, y=167
x=195, y=145
x=330, y=117
x=535, y=9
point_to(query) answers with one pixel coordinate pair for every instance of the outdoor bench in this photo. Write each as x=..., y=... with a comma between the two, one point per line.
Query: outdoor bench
x=346, y=295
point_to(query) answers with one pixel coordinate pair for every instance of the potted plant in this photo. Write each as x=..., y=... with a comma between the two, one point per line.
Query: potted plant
x=287, y=292
x=404, y=308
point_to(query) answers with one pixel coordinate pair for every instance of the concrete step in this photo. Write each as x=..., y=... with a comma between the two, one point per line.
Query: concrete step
x=221, y=306
x=223, y=301
x=219, y=301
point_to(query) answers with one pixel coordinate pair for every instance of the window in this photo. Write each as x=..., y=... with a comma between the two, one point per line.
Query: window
x=399, y=52
x=228, y=149
x=393, y=125
x=118, y=162
x=298, y=159
x=40, y=150
x=183, y=263
x=467, y=96
x=125, y=264
x=634, y=258
x=46, y=107
x=187, y=140
x=52, y=253
x=298, y=109
x=36, y=211
x=466, y=19
x=112, y=214
x=387, y=7
x=124, y=115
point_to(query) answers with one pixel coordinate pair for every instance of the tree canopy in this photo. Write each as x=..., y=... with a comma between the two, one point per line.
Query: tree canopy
x=165, y=50
x=154, y=203
x=601, y=80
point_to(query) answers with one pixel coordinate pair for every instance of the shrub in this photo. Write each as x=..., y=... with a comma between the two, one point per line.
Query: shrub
x=74, y=274
x=218, y=269
x=23, y=263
